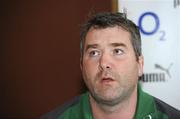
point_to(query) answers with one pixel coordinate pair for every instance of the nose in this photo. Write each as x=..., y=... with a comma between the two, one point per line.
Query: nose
x=104, y=62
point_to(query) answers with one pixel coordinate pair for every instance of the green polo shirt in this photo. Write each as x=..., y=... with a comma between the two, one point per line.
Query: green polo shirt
x=146, y=108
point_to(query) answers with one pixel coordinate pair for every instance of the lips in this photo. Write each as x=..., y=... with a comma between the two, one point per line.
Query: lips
x=107, y=80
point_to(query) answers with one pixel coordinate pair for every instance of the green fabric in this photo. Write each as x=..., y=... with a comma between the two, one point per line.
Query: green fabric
x=146, y=108
x=81, y=110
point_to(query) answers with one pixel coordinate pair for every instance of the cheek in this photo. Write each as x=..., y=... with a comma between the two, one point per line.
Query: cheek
x=90, y=69
x=90, y=63
x=134, y=73
x=127, y=69
x=89, y=73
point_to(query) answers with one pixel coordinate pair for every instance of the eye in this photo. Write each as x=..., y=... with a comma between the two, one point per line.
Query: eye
x=94, y=53
x=118, y=51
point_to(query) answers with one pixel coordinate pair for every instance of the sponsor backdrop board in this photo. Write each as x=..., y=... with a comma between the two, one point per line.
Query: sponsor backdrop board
x=159, y=23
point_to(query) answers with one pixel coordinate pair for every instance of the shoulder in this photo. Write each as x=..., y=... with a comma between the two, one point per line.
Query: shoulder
x=56, y=113
x=166, y=109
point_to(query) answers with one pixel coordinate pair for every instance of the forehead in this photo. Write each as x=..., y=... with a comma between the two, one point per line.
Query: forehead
x=107, y=36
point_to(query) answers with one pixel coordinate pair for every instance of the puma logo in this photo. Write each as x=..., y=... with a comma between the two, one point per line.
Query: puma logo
x=164, y=69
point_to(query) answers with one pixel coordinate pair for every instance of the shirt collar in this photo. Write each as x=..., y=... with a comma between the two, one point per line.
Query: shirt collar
x=145, y=108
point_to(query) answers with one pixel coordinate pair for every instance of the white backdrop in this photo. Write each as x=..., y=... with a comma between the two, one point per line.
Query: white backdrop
x=159, y=21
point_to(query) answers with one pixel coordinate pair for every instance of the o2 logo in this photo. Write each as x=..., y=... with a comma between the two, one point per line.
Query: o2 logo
x=156, y=26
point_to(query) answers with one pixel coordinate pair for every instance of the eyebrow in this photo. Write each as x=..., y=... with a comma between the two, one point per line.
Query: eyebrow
x=111, y=44
x=118, y=44
x=91, y=46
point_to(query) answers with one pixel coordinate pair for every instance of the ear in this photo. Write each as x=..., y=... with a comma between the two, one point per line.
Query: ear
x=140, y=65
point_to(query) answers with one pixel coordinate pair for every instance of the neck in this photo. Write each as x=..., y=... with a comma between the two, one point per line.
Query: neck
x=124, y=110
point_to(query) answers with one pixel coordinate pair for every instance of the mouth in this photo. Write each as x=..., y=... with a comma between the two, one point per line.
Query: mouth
x=107, y=80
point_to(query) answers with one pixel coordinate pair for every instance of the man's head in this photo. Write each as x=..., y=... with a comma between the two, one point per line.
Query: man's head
x=111, y=60
x=105, y=20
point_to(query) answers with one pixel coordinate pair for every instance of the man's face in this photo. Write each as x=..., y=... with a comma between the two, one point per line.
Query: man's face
x=109, y=66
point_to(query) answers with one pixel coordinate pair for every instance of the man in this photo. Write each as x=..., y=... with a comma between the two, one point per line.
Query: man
x=111, y=64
